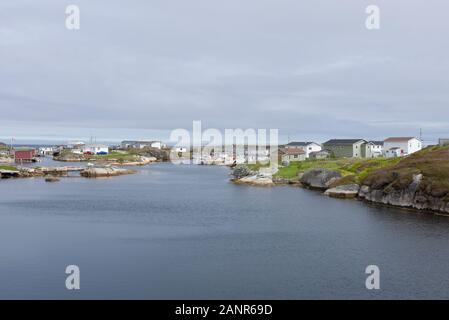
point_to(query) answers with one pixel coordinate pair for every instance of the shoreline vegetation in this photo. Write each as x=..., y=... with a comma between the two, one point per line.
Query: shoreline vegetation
x=419, y=181
x=51, y=174
x=106, y=165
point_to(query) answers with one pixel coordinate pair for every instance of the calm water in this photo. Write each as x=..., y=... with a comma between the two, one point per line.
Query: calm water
x=186, y=232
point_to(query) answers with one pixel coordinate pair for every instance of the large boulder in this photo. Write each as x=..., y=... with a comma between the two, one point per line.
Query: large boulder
x=319, y=178
x=344, y=191
x=242, y=171
x=256, y=180
x=104, y=172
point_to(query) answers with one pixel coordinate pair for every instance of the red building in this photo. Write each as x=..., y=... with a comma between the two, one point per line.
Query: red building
x=24, y=155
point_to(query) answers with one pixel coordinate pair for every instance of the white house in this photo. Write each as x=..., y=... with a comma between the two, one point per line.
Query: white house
x=307, y=147
x=377, y=148
x=393, y=153
x=95, y=149
x=75, y=144
x=401, y=146
x=43, y=151
x=142, y=144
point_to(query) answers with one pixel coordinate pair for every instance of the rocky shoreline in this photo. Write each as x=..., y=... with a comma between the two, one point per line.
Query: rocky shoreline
x=136, y=161
x=376, y=189
x=51, y=174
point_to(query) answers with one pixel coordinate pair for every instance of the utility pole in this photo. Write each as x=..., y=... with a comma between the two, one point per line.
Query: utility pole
x=420, y=134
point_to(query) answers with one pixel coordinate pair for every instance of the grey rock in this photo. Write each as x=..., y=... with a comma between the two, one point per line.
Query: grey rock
x=411, y=196
x=319, y=178
x=345, y=191
x=242, y=171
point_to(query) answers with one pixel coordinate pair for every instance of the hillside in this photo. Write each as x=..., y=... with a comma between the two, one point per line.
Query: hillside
x=352, y=169
x=420, y=180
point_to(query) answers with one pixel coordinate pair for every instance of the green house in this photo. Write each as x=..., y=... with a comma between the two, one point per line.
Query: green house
x=347, y=148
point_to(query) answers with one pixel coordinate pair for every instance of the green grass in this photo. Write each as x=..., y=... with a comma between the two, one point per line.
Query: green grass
x=355, y=168
x=258, y=165
x=114, y=155
x=119, y=156
x=6, y=167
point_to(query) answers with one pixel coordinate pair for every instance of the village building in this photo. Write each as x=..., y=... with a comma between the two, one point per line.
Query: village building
x=372, y=149
x=24, y=154
x=288, y=155
x=377, y=148
x=405, y=145
x=45, y=151
x=141, y=144
x=393, y=153
x=319, y=155
x=347, y=148
x=98, y=149
x=75, y=145
x=443, y=142
x=308, y=147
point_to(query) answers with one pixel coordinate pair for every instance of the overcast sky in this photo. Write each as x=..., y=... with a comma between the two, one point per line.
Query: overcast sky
x=139, y=69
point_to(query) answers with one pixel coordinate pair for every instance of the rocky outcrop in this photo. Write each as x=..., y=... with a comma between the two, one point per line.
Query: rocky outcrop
x=105, y=172
x=285, y=181
x=319, y=179
x=5, y=174
x=344, y=191
x=243, y=175
x=411, y=195
x=70, y=157
x=241, y=171
x=256, y=180
x=139, y=161
x=159, y=154
x=43, y=171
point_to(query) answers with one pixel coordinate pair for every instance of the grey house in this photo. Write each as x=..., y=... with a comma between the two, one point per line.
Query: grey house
x=348, y=148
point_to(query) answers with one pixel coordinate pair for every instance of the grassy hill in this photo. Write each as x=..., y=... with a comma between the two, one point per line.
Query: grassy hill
x=352, y=169
x=431, y=162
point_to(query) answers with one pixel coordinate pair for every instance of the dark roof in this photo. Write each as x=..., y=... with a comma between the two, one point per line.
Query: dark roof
x=377, y=143
x=299, y=143
x=342, y=141
x=321, y=151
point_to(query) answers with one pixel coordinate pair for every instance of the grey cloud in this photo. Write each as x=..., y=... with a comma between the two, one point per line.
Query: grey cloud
x=310, y=68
